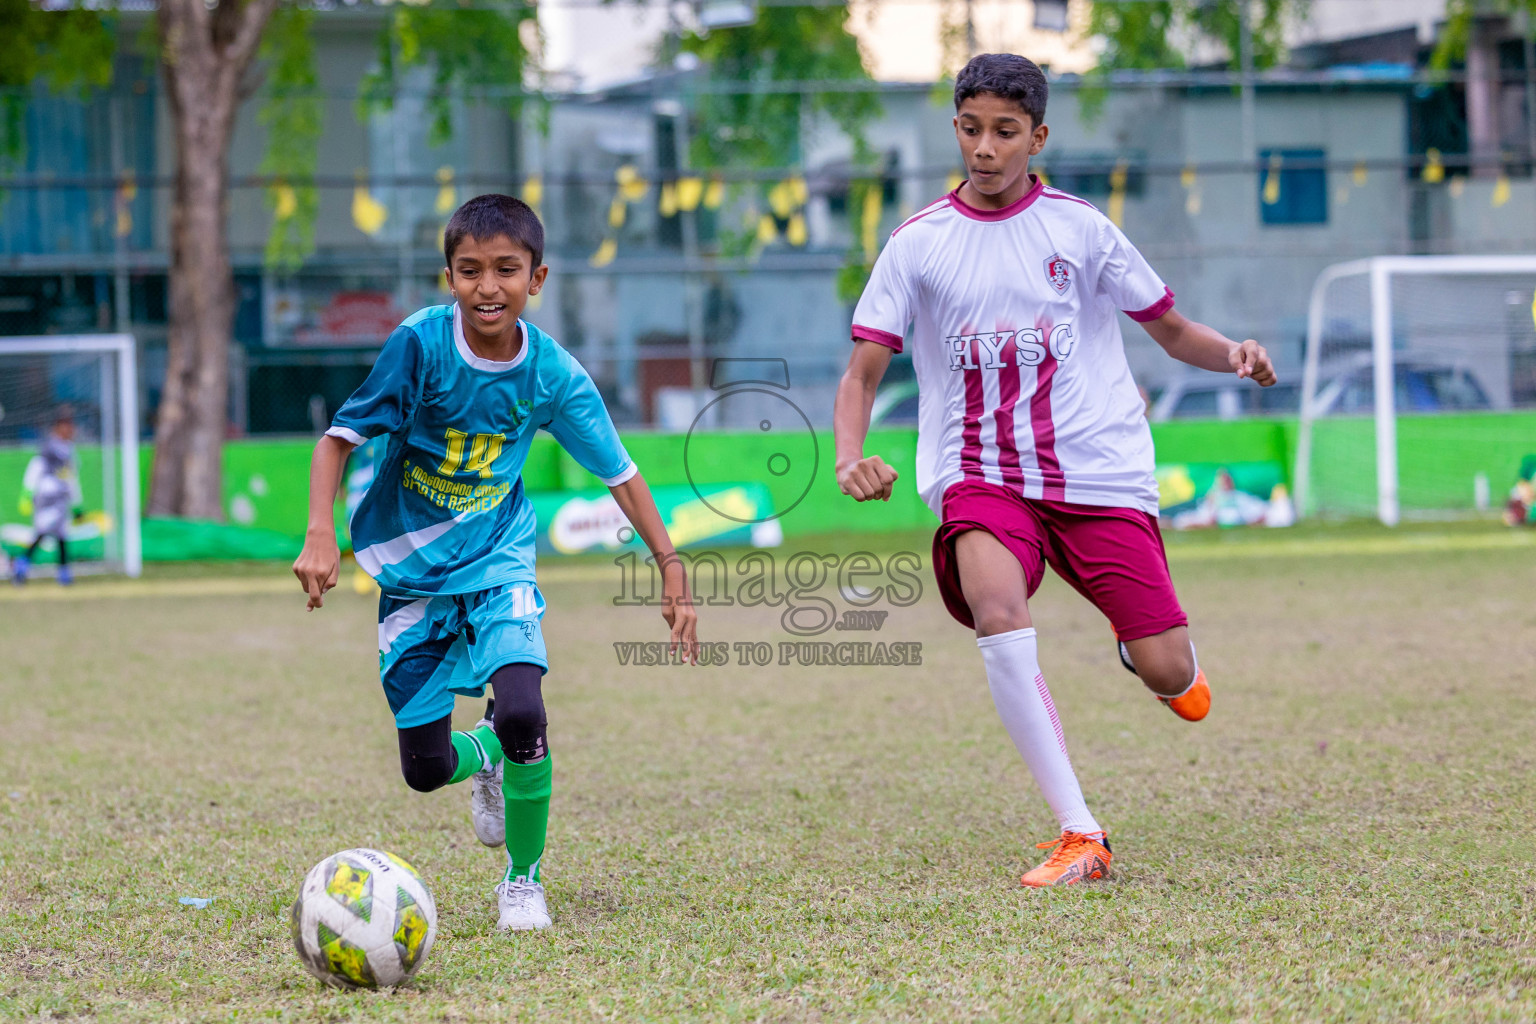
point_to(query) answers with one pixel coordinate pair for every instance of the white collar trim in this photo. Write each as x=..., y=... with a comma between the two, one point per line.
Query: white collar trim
x=488, y=365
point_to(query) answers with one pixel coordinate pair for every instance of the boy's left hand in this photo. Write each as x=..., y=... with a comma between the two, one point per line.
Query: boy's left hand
x=677, y=609
x=1251, y=360
x=318, y=567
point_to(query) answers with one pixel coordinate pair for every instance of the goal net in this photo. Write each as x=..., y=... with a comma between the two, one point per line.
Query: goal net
x=82, y=390
x=1419, y=387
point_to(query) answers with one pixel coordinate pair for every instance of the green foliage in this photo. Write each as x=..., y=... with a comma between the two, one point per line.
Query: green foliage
x=784, y=44
x=481, y=45
x=64, y=50
x=863, y=223
x=1142, y=35
x=1452, y=45
x=750, y=130
x=1137, y=35
x=292, y=113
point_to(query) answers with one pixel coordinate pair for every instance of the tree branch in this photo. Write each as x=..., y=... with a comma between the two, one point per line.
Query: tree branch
x=192, y=18
x=253, y=22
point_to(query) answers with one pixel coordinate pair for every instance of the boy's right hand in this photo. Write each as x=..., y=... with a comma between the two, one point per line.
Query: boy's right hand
x=866, y=479
x=318, y=567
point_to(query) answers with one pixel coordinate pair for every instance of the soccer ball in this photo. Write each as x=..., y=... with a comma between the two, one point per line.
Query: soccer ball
x=363, y=919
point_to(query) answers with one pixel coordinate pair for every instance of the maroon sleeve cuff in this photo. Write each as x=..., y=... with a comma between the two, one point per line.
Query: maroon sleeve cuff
x=886, y=338
x=1155, y=310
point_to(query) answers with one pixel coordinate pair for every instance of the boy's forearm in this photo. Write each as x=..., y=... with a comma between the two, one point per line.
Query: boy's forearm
x=324, y=481
x=850, y=416
x=635, y=501
x=1200, y=345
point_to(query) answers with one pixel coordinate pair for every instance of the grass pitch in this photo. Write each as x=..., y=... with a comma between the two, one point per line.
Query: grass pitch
x=1348, y=836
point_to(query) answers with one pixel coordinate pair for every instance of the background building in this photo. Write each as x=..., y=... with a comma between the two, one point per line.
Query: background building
x=1359, y=151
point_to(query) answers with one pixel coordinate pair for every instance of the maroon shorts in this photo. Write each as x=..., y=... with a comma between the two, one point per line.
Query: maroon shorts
x=1112, y=556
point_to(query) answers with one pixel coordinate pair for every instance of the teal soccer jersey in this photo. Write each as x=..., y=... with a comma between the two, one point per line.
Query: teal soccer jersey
x=445, y=513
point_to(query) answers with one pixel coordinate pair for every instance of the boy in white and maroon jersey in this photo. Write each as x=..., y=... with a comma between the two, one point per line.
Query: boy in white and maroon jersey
x=1033, y=446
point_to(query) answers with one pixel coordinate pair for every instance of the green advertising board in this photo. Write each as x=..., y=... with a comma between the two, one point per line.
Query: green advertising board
x=729, y=514
x=266, y=481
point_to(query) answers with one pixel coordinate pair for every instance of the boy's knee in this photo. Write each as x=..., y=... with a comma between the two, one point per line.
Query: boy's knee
x=994, y=617
x=424, y=774
x=517, y=726
x=519, y=718
x=1169, y=674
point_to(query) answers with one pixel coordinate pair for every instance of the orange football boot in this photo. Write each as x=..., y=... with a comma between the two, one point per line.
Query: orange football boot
x=1194, y=703
x=1078, y=857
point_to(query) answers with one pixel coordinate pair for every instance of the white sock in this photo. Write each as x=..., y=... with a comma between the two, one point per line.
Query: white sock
x=1025, y=706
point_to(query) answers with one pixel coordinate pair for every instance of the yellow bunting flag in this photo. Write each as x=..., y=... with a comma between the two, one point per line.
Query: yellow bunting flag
x=442, y=281
x=667, y=205
x=616, y=212
x=368, y=214
x=1500, y=191
x=714, y=195
x=767, y=230
x=285, y=202
x=1045, y=179
x=127, y=192
x=1191, y=182
x=533, y=191
x=447, y=198
x=1434, y=167
x=954, y=181
x=1272, y=181
x=1359, y=175
x=798, y=193
x=780, y=201
x=1117, y=179
x=874, y=206
x=689, y=192
x=1116, y=209
x=605, y=253
x=631, y=186
x=1187, y=176
x=796, y=233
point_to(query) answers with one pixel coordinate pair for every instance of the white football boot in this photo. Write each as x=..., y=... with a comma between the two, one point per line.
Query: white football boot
x=487, y=807
x=522, y=906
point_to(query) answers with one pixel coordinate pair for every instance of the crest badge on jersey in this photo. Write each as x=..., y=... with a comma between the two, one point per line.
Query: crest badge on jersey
x=1058, y=272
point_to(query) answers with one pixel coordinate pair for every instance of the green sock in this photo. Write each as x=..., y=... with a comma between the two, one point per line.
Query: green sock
x=478, y=750
x=526, y=789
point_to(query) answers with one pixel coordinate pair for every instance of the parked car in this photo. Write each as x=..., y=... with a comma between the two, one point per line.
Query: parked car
x=1419, y=385
x=1224, y=398
x=1422, y=385
x=895, y=405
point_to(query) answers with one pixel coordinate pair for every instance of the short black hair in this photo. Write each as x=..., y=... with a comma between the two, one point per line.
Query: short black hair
x=485, y=217
x=1006, y=75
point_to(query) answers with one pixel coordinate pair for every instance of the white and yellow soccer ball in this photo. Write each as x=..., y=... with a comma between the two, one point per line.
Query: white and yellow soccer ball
x=363, y=919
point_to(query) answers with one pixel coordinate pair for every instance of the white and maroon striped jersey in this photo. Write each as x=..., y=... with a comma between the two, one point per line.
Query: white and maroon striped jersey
x=1021, y=371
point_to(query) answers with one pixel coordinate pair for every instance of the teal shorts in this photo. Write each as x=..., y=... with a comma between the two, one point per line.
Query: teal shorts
x=434, y=648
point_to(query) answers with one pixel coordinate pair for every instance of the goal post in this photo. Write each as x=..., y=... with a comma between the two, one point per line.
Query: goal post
x=96, y=376
x=1451, y=333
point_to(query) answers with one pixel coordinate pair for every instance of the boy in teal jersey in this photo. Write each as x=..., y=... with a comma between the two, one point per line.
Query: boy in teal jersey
x=445, y=529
